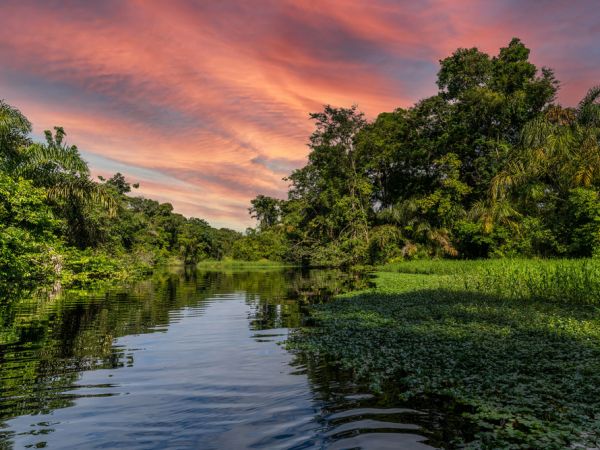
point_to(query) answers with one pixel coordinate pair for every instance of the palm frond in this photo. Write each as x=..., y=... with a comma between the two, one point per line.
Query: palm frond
x=535, y=133
x=492, y=212
x=588, y=110
x=514, y=174
x=62, y=158
x=84, y=191
x=14, y=127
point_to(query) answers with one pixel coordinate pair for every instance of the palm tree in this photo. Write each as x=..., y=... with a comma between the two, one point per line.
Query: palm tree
x=560, y=149
x=61, y=170
x=55, y=166
x=14, y=129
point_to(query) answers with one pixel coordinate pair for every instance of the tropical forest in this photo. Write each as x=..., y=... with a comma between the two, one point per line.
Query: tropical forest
x=432, y=276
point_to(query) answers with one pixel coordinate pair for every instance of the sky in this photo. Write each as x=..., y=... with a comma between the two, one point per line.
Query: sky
x=205, y=102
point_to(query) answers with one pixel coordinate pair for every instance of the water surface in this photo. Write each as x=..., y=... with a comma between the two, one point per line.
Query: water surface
x=188, y=360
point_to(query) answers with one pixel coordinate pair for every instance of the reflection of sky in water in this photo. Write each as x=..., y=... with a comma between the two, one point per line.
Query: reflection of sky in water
x=206, y=381
x=211, y=379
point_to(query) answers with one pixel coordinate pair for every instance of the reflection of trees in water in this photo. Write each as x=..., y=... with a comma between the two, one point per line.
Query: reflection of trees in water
x=46, y=343
x=300, y=289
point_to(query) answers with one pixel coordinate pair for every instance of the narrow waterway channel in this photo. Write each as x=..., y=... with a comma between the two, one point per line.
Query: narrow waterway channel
x=188, y=360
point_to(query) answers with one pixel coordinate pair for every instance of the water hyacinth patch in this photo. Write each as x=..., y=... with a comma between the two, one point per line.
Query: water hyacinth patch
x=522, y=368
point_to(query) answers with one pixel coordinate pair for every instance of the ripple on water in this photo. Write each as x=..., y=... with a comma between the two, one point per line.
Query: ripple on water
x=184, y=363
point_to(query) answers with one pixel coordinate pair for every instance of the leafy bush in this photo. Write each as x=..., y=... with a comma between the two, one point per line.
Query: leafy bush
x=87, y=267
x=584, y=222
x=28, y=247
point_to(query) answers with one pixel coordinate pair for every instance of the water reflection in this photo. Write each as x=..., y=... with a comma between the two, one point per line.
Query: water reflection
x=186, y=360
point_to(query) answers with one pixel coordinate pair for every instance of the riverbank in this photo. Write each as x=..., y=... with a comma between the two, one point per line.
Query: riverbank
x=239, y=264
x=98, y=269
x=509, y=349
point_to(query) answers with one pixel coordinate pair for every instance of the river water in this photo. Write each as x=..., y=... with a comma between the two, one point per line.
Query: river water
x=188, y=359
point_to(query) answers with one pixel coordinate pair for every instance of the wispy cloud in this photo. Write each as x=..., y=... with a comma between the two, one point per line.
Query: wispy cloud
x=206, y=103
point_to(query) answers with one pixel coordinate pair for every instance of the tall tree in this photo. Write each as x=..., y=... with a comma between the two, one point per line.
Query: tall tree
x=14, y=134
x=333, y=184
x=267, y=210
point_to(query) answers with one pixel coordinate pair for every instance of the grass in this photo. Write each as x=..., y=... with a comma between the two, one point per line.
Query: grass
x=511, y=346
x=558, y=280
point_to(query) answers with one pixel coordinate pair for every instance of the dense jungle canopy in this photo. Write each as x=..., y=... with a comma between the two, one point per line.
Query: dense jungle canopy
x=490, y=166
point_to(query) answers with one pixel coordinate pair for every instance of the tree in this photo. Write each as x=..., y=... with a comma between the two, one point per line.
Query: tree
x=60, y=169
x=464, y=70
x=194, y=240
x=333, y=187
x=119, y=184
x=559, y=151
x=267, y=210
x=490, y=100
x=14, y=132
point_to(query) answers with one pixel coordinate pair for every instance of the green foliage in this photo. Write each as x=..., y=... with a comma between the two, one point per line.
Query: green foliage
x=14, y=131
x=193, y=240
x=583, y=217
x=328, y=204
x=465, y=69
x=85, y=268
x=267, y=210
x=28, y=248
x=58, y=224
x=386, y=243
x=269, y=245
x=512, y=346
x=119, y=183
x=484, y=168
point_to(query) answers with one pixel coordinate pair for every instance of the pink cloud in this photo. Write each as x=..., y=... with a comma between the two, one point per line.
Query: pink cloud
x=214, y=96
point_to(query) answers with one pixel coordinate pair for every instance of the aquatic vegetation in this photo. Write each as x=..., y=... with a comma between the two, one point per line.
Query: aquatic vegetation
x=513, y=347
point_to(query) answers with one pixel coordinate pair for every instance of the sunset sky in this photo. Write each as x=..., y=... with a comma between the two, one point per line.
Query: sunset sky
x=206, y=103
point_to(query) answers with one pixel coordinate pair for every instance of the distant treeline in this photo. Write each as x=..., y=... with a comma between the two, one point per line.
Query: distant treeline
x=490, y=166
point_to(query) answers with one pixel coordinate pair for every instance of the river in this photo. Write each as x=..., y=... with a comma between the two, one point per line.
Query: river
x=188, y=359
